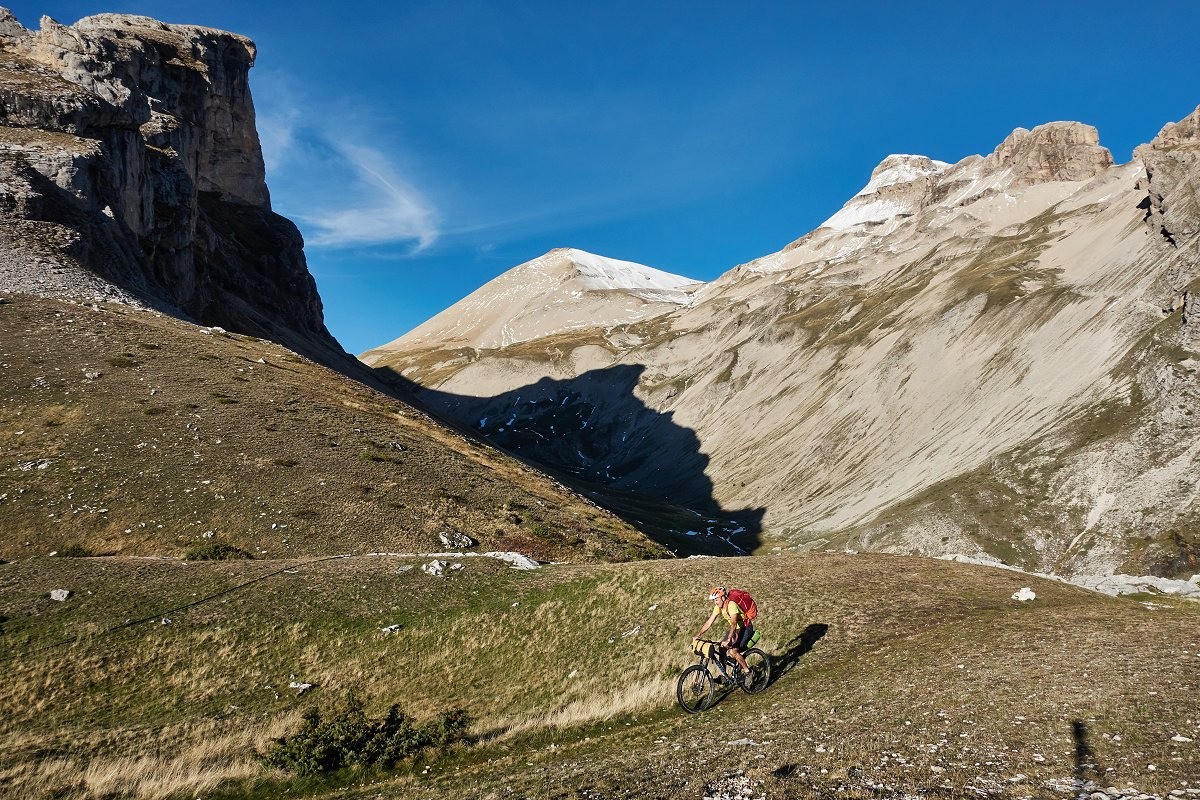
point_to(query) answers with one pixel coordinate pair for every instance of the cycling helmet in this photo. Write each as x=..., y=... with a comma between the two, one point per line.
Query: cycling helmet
x=716, y=592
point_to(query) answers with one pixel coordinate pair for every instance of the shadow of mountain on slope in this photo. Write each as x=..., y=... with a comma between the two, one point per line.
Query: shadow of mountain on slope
x=594, y=434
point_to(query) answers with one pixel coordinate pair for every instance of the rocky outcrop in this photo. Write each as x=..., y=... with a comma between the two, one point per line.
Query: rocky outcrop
x=128, y=154
x=1056, y=151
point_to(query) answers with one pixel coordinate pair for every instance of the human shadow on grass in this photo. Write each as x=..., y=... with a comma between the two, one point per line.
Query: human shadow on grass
x=795, y=650
x=783, y=663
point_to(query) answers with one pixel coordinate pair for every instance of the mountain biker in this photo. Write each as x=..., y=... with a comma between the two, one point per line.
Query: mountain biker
x=740, y=629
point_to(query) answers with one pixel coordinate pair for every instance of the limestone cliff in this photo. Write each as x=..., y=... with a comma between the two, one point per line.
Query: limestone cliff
x=130, y=167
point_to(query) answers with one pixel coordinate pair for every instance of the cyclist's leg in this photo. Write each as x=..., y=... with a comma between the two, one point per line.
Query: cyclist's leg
x=739, y=645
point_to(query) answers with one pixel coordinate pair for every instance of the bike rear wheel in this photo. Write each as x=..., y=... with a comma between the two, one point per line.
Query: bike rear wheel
x=760, y=665
x=695, y=689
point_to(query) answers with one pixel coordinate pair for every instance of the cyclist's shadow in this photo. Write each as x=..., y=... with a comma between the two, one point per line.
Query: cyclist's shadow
x=796, y=649
x=783, y=663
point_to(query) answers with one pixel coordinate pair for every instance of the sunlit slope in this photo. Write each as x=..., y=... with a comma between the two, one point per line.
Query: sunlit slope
x=124, y=431
x=899, y=671
x=1034, y=308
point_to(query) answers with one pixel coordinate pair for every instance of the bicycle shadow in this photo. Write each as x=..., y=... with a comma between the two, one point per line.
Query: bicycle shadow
x=781, y=664
x=795, y=650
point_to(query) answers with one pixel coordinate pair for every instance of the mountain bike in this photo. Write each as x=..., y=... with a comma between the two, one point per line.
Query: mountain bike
x=697, y=684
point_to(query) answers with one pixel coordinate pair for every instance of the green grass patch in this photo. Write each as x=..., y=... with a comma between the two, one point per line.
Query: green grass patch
x=347, y=738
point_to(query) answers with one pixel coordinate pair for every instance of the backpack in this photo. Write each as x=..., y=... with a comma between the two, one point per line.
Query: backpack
x=745, y=602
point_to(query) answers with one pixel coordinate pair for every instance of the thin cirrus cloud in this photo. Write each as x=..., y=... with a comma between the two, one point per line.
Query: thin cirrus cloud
x=342, y=192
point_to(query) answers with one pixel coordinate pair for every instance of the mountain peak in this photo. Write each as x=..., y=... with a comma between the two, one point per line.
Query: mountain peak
x=902, y=168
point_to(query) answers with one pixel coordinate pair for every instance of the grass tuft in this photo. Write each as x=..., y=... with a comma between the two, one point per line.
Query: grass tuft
x=215, y=551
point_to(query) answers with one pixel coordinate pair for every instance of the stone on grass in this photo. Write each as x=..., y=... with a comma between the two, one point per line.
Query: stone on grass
x=60, y=594
x=1023, y=594
x=436, y=568
x=456, y=539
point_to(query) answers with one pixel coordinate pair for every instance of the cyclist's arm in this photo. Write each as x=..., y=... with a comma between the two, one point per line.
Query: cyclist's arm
x=708, y=624
x=734, y=619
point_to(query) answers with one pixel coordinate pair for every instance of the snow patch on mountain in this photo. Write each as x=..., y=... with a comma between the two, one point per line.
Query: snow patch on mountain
x=599, y=273
x=874, y=204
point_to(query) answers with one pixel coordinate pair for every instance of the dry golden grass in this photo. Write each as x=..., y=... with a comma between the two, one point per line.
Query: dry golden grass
x=186, y=760
x=186, y=433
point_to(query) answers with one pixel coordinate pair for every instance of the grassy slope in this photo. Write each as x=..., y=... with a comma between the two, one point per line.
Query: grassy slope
x=185, y=433
x=926, y=675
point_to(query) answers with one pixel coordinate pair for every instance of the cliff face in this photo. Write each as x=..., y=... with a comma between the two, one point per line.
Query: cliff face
x=130, y=166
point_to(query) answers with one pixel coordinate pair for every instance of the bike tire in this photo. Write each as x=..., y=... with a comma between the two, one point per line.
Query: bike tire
x=694, y=691
x=760, y=664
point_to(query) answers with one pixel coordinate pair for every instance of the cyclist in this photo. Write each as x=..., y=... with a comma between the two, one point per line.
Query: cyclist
x=740, y=629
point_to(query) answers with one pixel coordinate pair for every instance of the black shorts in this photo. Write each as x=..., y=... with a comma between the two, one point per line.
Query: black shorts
x=747, y=633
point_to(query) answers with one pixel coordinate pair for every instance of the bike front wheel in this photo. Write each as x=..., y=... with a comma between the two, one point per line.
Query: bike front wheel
x=760, y=666
x=695, y=689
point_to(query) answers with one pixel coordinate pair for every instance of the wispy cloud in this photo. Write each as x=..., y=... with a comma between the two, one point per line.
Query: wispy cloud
x=327, y=174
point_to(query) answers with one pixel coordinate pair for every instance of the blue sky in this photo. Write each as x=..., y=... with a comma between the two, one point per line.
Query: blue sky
x=425, y=147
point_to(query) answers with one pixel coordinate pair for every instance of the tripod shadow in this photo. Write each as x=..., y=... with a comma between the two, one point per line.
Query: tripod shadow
x=1087, y=770
x=796, y=649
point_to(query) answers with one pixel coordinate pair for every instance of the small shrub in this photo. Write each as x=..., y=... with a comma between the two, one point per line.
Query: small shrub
x=350, y=738
x=215, y=551
x=74, y=551
x=285, y=462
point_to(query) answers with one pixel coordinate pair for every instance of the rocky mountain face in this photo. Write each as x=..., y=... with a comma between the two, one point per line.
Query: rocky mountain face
x=996, y=358
x=130, y=168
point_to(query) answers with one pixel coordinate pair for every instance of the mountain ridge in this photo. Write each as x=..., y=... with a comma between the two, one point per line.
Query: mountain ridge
x=1002, y=304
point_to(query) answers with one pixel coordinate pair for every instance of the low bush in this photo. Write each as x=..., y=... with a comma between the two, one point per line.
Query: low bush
x=350, y=738
x=215, y=551
x=74, y=551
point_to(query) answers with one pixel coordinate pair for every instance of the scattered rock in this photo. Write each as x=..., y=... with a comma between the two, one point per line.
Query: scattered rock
x=516, y=560
x=456, y=539
x=744, y=742
x=1023, y=594
x=733, y=787
x=60, y=594
x=300, y=687
x=437, y=568
x=391, y=628
x=92, y=375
